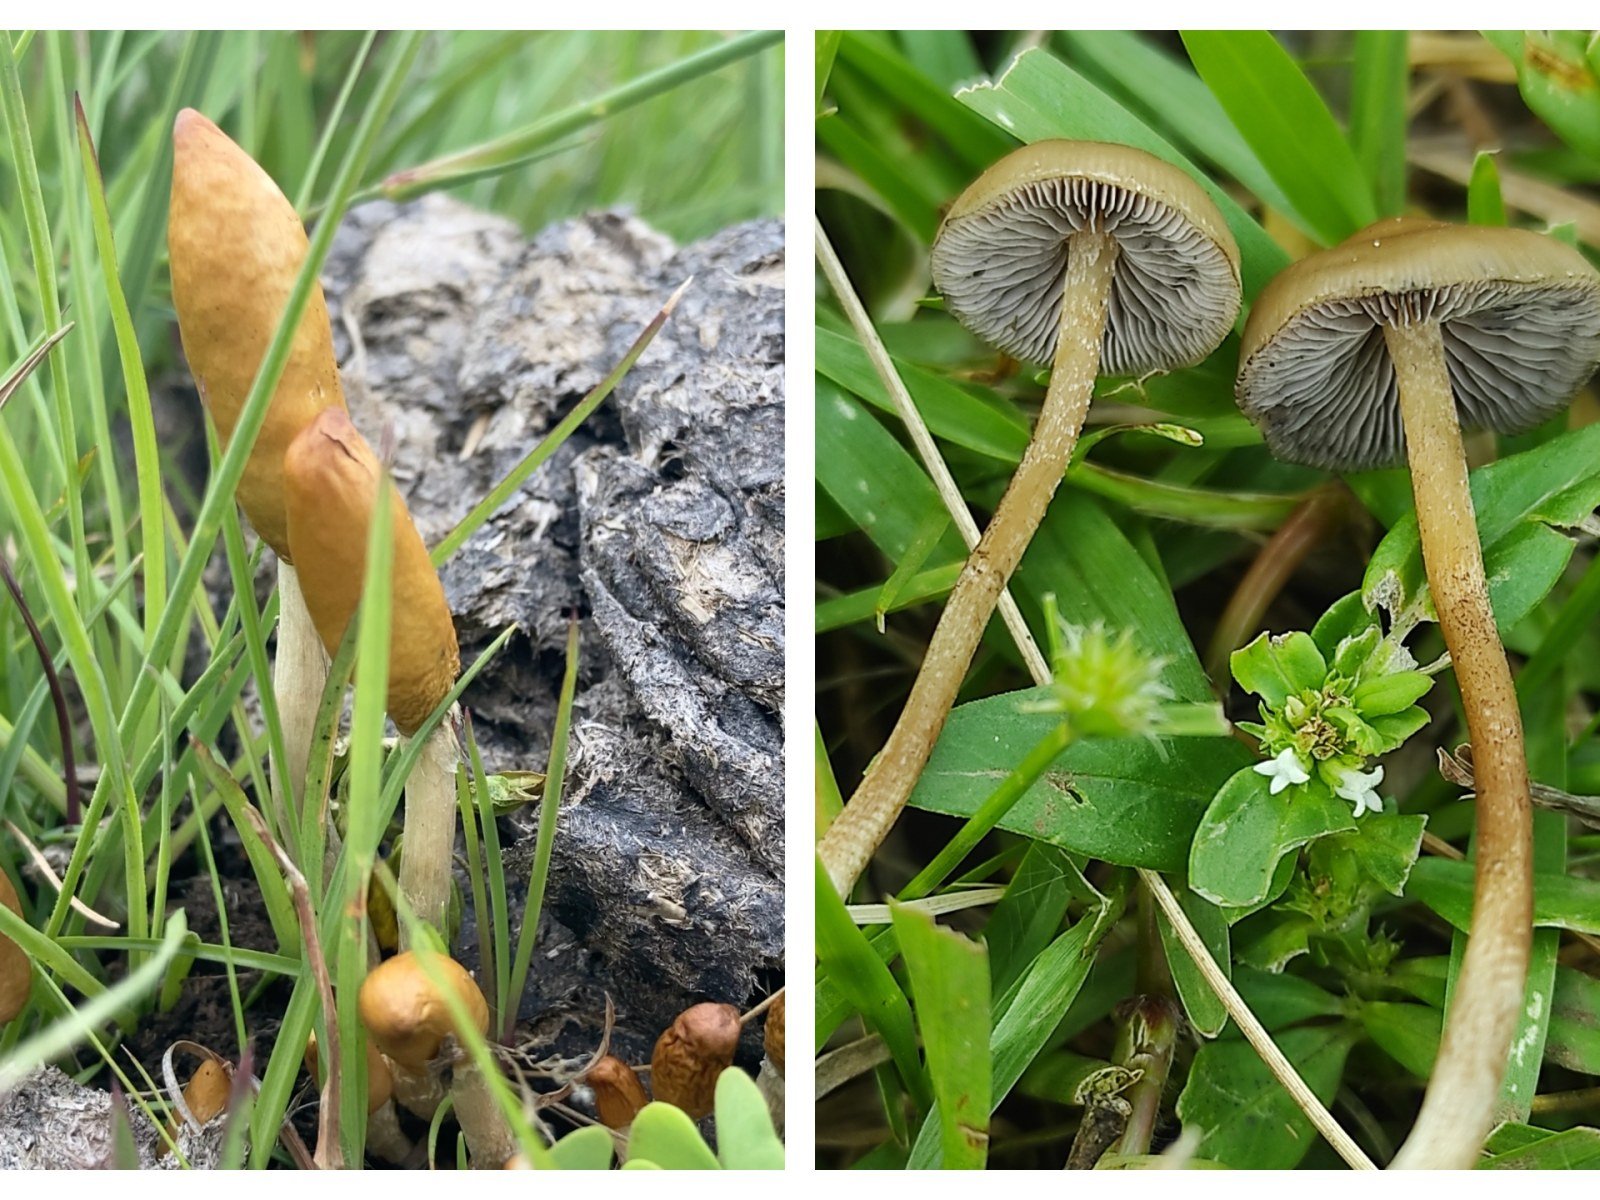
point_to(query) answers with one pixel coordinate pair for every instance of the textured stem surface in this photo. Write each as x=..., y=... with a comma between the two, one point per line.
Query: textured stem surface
x=1458, y=1110
x=489, y=1138
x=299, y=671
x=857, y=832
x=429, y=841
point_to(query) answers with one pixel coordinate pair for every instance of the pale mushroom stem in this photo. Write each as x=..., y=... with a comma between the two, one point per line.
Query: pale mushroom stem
x=430, y=831
x=1458, y=1110
x=489, y=1138
x=299, y=670
x=860, y=828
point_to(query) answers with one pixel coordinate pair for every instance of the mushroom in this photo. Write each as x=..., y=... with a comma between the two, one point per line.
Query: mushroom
x=236, y=246
x=205, y=1096
x=1381, y=348
x=331, y=479
x=689, y=1056
x=410, y=1021
x=385, y=1138
x=618, y=1094
x=1092, y=256
x=770, y=1077
x=16, y=968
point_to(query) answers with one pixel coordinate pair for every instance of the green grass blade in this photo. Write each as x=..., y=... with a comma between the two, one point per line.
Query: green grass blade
x=1378, y=115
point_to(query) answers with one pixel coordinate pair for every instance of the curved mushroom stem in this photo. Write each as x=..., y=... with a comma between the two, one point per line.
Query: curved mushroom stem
x=429, y=839
x=299, y=671
x=1458, y=1110
x=857, y=832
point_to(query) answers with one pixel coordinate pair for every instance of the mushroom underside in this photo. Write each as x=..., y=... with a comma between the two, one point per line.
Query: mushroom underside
x=1002, y=269
x=1515, y=358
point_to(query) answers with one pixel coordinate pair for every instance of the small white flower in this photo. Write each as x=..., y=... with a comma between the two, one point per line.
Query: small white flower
x=1361, y=789
x=1283, y=770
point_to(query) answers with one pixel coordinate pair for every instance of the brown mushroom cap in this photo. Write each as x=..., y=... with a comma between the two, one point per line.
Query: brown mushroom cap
x=16, y=969
x=1519, y=315
x=1000, y=258
x=331, y=480
x=772, y=1033
x=236, y=245
x=695, y=1049
x=618, y=1094
x=380, y=1080
x=407, y=1017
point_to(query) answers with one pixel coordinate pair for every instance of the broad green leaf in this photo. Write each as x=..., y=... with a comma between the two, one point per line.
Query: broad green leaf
x=1276, y=668
x=746, y=1140
x=1273, y=938
x=1559, y=901
x=1279, y=1000
x=1386, y=845
x=1286, y=122
x=1245, y=1117
x=1130, y=801
x=584, y=1150
x=1040, y=97
x=1523, y=505
x=1246, y=830
x=1029, y=915
x=949, y=977
x=1205, y=1010
x=1407, y=1033
x=1574, y=1036
x=665, y=1137
x=1558, y=79
x=1528, y=1148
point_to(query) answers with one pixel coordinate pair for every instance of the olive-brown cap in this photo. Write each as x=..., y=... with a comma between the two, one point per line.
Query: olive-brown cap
x=695, y=1049
x=331, y=479
x=16, y=969
x=1000, y=258
x=618, y=1094
x=1519, y=315
x=772, y=1032
x=206, y=1093
x=380, y=1080
x=406, y=1015
x=236, y=246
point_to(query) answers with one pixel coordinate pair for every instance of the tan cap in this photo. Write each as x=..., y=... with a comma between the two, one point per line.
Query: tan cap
x=1519, y=314
x=1000, y=258
x=407, y=1016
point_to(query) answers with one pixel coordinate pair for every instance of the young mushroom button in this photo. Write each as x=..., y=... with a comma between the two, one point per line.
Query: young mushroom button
x=1089, y=256
x=1383, y=348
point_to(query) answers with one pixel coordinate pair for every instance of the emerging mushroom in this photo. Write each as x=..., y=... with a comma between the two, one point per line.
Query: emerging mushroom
x=1089, y=255
x=331, y=481
x=236, y=246
x=385, y=1138
x=409, y=1020
x=618, y=1094
x=16, y=968
x=689, y=1056
x=1383, y=347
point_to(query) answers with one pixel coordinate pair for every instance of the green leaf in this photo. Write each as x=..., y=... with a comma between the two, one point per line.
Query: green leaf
x=1560, y=85
x=1388, y=694
x=1279, y=1000
x=1203, y=1006
x=1041, y=97
x=1245, y=1117
x=746, y=1140
x=1574, y=1036
x=584, y=1150
x=1407, y=1033
x=1386, y=845
x=1559, y=901
x=1524, y=505
x=1246, y=830
x=1027, y=917
x=949, y=977
x=1130, y=801
x=1485, y=205
x=1528, y=1148
x=1274, y=938
x=1276, y=668
x=665, y=1137
x=858, y=972
x=1285, y=121
x=1378, y=114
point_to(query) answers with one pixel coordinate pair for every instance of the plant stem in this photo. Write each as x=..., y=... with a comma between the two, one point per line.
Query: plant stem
x=430, y=832
x=299, y=669
x=866, y=820
x=1146, y=1041
x=1458, y=1110
x=489, y=1137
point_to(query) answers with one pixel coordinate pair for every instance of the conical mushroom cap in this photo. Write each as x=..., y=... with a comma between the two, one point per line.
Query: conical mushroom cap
x=1519, y=315
x=236, y=246
x=16, y=969
x=331, y=481
x=406, y=1015
x=1000, y=259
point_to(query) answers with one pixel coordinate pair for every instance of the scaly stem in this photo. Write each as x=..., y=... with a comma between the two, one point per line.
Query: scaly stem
x=299, y=670
x=860, y=828
x=489, y=1138
x=428, y=843
x=1458, y=1110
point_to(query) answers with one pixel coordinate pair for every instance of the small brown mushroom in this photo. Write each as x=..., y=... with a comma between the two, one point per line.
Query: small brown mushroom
x=695, y=1049
x=1092, y=256
x=16, y=969
x=618, y=1094
x=1386, y=346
